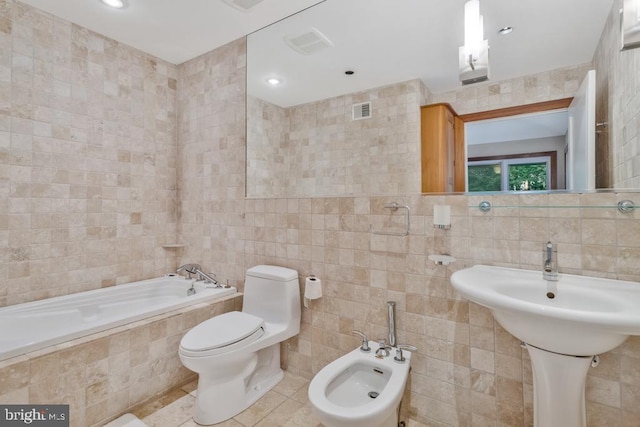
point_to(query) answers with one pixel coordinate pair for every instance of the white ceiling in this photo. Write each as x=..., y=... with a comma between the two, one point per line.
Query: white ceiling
x=417, y=38
x=523, y=127
x=173, y=30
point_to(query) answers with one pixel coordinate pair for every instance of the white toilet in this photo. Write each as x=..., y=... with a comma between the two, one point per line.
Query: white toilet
x=360, y=389
x=237, y=354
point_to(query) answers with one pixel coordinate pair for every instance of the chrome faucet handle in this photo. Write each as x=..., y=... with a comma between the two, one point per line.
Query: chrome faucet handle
x=399, y=357
x=365, y=341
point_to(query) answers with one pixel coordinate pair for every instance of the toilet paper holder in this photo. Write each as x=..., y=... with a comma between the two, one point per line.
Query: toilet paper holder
x=394, y=207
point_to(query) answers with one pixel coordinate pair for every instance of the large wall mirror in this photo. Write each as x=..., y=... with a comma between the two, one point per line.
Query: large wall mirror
x=334, y=92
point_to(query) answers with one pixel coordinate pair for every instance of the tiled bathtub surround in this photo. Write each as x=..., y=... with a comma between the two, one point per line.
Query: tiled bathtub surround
x=103, y=375
x=87, y=159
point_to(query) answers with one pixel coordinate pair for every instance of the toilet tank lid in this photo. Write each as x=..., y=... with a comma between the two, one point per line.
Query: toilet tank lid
x=273, y=272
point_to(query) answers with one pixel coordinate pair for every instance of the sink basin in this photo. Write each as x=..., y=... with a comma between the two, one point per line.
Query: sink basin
x=587, y=315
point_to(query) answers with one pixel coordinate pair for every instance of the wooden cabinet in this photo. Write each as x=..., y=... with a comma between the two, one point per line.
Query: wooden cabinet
x=443, y=152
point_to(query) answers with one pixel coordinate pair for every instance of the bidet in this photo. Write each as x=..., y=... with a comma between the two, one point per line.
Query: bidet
x=360, y=389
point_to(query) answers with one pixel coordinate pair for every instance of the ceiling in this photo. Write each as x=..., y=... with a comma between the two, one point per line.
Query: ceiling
x=395, y=40
x=516, y=128
x=173, y=30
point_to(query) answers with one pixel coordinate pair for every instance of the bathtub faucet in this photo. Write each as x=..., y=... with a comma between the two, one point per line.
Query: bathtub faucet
x=189, y=268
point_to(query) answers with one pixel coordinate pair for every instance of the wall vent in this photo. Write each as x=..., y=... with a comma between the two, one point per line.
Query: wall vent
x=361, y=111
x=308, y=42
x=243, y=5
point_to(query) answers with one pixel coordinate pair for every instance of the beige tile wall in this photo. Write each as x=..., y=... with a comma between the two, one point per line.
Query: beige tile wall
x=317, y=149
x=87, y=158
x=618, y=105
x=111, y=137
x=490, y=95
x=468, y=370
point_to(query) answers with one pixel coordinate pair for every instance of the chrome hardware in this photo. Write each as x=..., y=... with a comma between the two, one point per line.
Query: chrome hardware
x=394, y=207
x=550, y=264
x=391, y=321
x=189, y=268
x=383, y=349
x=626, y=206
x=191, y=290
x=484, y=206
x=399, y=357
x=364, y=347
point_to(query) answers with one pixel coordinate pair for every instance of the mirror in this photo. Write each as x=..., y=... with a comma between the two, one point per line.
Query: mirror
x=334, y=92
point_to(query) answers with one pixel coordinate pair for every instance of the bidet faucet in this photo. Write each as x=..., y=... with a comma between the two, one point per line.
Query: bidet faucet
x=399, y=357
x=364, y=347
x=383, y=349
x=550, y=262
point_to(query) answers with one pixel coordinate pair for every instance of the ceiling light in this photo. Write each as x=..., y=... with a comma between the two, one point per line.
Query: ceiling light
x=274, y=81
x=505, y=30
x=118, y=4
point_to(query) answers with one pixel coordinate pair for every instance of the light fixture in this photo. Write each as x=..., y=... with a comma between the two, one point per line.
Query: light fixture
x=274, y=81
x=116, y=4
x=505, y=30
x=474, y=55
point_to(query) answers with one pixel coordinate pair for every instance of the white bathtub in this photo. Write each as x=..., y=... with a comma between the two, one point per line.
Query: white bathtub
x=35, y=325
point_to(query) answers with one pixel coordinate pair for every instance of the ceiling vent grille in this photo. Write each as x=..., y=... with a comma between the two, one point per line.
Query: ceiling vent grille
x=243, y=5
x=308, y=42
x=361, y=111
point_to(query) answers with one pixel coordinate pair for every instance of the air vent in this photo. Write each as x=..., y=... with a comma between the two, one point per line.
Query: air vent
x=361, y=111
x=243, y=5
x=308, y=42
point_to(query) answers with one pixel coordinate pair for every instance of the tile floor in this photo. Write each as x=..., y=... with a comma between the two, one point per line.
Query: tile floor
x=286, y=405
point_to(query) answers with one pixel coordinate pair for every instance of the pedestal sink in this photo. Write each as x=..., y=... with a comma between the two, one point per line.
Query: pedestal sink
x=586, y=316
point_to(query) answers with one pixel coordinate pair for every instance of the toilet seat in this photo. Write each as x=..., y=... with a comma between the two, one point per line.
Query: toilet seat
x=222, y=334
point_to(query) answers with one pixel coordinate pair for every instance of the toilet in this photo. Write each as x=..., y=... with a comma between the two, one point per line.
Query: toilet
x=237, y=354
x=360, y=389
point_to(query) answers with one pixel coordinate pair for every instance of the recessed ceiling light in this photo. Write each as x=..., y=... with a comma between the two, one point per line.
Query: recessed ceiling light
x=505, y=30
x=274, y=81
x=117, y=4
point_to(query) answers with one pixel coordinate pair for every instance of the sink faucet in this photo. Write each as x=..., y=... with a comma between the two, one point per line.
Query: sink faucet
x=550, y=266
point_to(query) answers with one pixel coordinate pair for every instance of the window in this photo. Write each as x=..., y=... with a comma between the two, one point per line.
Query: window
x=510, y=174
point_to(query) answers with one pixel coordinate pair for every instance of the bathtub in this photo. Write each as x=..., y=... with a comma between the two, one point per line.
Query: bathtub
x=35, y=325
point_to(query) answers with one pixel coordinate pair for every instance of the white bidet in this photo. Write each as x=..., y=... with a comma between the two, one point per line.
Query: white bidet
x=360, y=389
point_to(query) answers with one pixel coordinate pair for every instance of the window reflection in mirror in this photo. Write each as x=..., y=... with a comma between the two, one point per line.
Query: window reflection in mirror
x=525, y=152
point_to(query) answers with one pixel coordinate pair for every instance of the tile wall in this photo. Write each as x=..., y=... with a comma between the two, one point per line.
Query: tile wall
x=468, y=371
x=618, y=105
x=90, y=174
x=87, y=158
x=317, y=149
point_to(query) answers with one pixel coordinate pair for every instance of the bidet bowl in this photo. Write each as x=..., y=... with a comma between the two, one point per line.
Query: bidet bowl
x=359, y=390
x=587, y=315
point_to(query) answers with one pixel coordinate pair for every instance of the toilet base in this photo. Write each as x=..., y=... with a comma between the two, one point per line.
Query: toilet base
x=218, y=401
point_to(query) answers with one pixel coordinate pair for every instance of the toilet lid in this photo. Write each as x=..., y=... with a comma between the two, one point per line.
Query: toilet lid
x=221, y=331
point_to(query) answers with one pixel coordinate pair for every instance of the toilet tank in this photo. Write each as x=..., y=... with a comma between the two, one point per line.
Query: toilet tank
x=273, y=293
